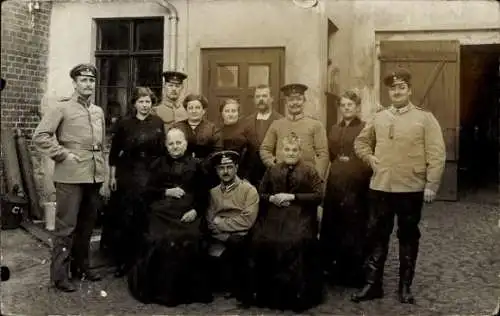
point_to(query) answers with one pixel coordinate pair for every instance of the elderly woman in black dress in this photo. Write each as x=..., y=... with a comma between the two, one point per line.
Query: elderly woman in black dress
x=345, y=212
x=233, y=133
x=284, y=271
x=138, y=140
x=172, y=270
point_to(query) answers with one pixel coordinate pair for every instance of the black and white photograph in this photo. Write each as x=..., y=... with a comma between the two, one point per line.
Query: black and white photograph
x=250, y=157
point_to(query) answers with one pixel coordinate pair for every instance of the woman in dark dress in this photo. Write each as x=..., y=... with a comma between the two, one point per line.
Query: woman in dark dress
x=345, y=211
x=138, y=140
x=233, y=133
x=285, y=269
x=203, y=136
x=172, y=270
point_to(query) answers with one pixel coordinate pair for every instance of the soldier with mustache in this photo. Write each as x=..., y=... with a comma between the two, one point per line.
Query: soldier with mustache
x=309, y=130
x=255, y=128
x=405, y=148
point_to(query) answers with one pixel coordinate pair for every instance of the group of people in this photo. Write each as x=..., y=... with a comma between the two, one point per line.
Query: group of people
x=265, y=208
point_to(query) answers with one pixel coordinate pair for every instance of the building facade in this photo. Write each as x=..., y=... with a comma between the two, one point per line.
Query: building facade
x=228, y=46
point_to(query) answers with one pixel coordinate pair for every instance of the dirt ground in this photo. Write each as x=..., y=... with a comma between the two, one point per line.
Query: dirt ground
x=458, y=273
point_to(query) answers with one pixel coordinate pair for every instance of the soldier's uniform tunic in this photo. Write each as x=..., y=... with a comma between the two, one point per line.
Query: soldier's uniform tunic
x=409, y=145
x=313, y=137
x=76, y=126
x=170, y=112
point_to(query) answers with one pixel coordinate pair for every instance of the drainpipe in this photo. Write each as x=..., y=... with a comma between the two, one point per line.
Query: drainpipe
x=173, y=19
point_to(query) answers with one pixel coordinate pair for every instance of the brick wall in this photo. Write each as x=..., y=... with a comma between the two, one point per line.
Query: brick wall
x=24, y=50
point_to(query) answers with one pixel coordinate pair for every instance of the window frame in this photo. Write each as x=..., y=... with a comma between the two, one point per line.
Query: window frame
x=132, y=53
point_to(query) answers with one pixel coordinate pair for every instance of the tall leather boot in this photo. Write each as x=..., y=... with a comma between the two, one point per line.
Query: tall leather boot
x=373, y=288
x=60, y=263
x=407, y=261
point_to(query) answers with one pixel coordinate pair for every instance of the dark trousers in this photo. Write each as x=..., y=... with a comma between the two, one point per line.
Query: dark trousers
x=76, y=215
x=383, y=207
x=229, y=269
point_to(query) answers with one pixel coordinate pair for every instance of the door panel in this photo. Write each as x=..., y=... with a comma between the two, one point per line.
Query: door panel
x=234, y=73
x=434, y=66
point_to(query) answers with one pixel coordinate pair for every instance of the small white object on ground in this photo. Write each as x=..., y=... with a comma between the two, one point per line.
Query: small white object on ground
x=103, y=293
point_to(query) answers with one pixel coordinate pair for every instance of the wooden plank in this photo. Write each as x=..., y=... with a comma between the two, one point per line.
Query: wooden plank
x=420, y=57
x=437, y=47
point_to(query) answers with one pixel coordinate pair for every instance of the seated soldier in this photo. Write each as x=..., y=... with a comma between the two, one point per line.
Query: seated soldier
x=232, y=211
x=285, y=270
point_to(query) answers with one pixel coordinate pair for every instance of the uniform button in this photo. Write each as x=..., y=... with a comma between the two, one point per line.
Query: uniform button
x=64, y=249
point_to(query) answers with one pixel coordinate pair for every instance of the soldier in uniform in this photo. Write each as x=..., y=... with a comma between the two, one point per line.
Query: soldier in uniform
x=309, y=130
x=404, y=146
x=170, y=110
x=72, y=133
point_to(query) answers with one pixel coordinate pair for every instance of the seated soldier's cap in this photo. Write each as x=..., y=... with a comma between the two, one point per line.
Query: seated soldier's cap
x=2, y=83
x=174, y=76
x=87, y=70
x=224, y=157
x=400, y=74
x=294, y=88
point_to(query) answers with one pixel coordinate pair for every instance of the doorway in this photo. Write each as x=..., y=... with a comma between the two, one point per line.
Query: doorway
x=479, y=119
x=235, y=72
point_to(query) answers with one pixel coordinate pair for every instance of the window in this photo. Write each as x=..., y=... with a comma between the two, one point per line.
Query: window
x=129, y=53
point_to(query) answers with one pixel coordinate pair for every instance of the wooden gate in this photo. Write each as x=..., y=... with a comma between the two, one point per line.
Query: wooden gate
x=435, y=68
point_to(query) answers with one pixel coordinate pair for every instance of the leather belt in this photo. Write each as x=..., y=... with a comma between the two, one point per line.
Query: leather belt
x=95, y=147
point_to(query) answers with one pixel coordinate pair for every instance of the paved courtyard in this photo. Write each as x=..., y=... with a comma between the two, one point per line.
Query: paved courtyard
x=458, y=273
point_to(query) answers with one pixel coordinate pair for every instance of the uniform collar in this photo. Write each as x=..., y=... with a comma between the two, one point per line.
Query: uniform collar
x=228, y=188
x=81, y=100
x=401, y=110
x=171, y=104
x=295, y=117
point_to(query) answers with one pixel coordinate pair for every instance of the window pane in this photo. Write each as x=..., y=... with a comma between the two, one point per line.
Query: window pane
x=148, y=71
x=114, y=101
x=258, y=74
x=149, y=35
x=113, y=71
x=227, y=76
x=113, y=35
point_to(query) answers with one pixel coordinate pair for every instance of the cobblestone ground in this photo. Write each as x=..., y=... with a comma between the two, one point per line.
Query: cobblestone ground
x=457, y=274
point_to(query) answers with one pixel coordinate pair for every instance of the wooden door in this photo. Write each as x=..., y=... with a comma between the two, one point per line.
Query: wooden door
x=435, y=69
x=234, y=73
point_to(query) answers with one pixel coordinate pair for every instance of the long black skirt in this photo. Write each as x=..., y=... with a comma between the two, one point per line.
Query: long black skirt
x=344, y=228
x=284, y=265
x=125, y=219
x=124, y=227
x=172, y=270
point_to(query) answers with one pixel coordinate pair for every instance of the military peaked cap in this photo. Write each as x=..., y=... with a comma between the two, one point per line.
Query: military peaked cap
x=294, y=88
x=87, y=70
x=224, y=157
x=174, y=76
x=400, y=74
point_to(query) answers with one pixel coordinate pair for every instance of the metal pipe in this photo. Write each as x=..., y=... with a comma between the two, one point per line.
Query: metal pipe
x=173, y=18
